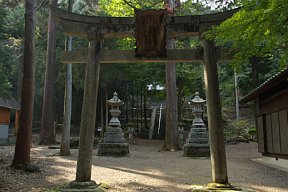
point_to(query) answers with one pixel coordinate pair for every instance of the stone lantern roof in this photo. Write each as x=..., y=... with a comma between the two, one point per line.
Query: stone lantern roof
x=115, y=101
x=197, y=99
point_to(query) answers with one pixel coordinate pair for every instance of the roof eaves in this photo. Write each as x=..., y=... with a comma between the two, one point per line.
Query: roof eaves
x=283, y=74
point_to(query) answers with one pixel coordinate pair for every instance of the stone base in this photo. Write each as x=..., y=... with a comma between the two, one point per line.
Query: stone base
x=217, y=187
x=89, y=186
x=190, y=151
x=113, y=149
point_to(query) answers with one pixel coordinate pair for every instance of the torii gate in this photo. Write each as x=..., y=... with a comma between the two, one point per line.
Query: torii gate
x=97, y=28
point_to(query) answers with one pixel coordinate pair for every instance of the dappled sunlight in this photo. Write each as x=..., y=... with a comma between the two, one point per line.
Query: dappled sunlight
x=149, y=172
x=147, y=169
x=137, y=180
x=147, y=187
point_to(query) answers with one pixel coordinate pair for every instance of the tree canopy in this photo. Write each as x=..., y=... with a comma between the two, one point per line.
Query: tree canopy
x=259, y=28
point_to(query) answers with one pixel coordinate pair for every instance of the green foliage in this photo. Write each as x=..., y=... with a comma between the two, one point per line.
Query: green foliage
x=189, y=7
x=258, y=29
x=238, y=130
x=118, y=8
x=189, y=78
x=11, y=34
x=252, y=131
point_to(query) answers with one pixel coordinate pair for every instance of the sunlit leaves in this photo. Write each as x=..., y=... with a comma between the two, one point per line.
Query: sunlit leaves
x=118, y=8
x=259, y=28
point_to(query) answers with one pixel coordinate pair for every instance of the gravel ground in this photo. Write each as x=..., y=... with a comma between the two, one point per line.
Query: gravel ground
x=145, y=170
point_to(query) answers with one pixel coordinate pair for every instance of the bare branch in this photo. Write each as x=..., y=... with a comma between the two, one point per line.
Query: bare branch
x=41, y=5
x=128, y=3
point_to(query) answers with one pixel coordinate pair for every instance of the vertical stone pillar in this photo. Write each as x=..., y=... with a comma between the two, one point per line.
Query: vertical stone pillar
x=88, y=117
x=216, y=137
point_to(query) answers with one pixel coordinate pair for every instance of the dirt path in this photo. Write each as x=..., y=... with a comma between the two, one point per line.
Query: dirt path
x=145, y=170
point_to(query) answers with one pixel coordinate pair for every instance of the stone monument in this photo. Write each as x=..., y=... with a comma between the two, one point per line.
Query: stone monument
x=113, y=143
x=197, y=143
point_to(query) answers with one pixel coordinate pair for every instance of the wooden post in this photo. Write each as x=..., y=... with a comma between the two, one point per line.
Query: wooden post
x=88, y=117
x=216, y=137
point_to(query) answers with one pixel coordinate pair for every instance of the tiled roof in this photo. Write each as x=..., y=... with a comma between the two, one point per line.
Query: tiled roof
x=271, y=82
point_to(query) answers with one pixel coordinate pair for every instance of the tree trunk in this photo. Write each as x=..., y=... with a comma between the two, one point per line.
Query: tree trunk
x=65, y=143
x=47, y=129
x=171, y=133
x=254, y=61
x=19, y=79
x=236, y=95
x=23, y=142
x=216, y=137
x=88, y=117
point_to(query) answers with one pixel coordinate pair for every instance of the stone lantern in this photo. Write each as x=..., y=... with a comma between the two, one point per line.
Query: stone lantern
x=115, y=102
x=197, y=143
x=113, y=143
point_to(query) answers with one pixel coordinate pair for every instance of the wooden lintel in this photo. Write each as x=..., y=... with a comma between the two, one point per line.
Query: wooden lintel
x=128, y=56
x=119, y=27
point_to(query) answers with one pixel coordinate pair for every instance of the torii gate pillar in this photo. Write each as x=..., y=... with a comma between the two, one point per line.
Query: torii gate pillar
x=88, y=117
x=216, y=137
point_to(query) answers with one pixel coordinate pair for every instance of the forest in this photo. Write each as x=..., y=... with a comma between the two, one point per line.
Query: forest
x=51, y=93
x=256, y=36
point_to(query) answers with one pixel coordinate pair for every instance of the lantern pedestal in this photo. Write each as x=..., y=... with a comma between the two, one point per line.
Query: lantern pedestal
x=113, y=143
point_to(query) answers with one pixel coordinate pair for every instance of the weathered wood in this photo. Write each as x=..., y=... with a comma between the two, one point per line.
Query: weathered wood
x=276, y=102
x=260, y=134
x=283, y=122
x=269, y=136
x=128, y=56
x=150, y=33
x=275, y=133
x=267, y=89
x=88, y=116
x=216, y=136
x=119, y=27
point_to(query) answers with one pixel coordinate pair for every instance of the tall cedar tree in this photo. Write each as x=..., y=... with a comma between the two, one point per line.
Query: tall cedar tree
x=23, y=142
x=47, y=122
x=171, y=133
x=65, y=143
